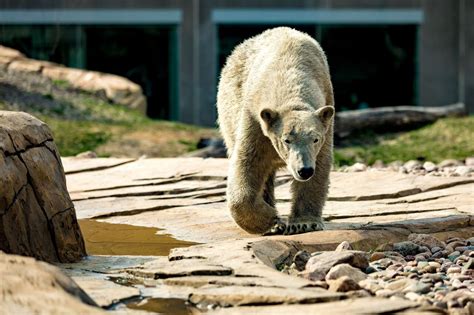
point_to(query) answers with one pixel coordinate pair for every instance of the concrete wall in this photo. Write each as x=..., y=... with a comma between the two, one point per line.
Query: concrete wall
x=446, y=52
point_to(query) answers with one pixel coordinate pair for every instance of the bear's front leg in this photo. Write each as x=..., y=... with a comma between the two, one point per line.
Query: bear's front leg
x=245, y=192
x=307, y=204
x=308, y=200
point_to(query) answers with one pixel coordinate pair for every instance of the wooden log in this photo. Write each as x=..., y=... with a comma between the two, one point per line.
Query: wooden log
x=387, y=119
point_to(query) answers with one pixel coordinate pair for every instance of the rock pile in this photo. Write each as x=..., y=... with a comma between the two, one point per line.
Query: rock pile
x=447, y=168
x=422, y=269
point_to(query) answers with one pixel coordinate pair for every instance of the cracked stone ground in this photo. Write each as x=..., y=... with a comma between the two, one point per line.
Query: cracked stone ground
x=185, y=197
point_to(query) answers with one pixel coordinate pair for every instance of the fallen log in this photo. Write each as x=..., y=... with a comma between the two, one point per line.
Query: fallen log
x=387, y=119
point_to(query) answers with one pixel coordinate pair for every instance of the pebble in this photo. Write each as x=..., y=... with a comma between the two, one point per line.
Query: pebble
x=429, y=166
x=469, y=264
x=344, y=246
x=448, y=167
x=449, y=163
x=440, y=304
x=300, y=259
x=434, y=264
x=469, y=161
x=429, y=269
x=453, y=270
x=454, y=255
x=357, y=167
x=343, y=284
x=412, y=165
x=406, y=248
x=376, y=256
x=422, y=264
x=345, y=270
x=462, y=170
x=370, y=285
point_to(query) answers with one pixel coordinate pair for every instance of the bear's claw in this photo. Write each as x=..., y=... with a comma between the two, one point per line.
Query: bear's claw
x=282, y=228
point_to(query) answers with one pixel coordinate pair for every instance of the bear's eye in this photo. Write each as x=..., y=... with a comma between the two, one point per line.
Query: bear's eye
x=316, y=140
x=287, y=141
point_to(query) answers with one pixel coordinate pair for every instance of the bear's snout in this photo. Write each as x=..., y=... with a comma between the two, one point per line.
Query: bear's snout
x=306, y=172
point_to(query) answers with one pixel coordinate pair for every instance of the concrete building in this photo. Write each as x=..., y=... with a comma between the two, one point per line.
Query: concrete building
x=381, y=52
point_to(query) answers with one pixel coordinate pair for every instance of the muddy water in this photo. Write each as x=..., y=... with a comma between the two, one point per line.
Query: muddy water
x=162, y=306
x=121, y=239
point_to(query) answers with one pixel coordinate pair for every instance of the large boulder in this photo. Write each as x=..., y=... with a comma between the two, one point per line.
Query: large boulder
x=37, y=217
x=33, y=287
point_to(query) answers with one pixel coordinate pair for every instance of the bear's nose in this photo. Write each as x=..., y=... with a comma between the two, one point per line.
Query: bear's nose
x=306, y=172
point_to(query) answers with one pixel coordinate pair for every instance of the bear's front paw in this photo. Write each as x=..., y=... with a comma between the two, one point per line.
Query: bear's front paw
x=278, y=228
x=303, y=227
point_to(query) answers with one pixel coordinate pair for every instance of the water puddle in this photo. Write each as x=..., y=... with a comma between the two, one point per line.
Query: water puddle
x=103, y=238
x=162, y=306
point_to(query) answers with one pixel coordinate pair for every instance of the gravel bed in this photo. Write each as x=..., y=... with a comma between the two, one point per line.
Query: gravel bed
x=445, y=168
x=423, y=269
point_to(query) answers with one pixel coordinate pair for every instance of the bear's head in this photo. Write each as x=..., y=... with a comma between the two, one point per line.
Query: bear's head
x=297, y=136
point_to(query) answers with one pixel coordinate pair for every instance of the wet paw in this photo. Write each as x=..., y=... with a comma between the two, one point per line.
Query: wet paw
x=278, y=228
x=303, y=227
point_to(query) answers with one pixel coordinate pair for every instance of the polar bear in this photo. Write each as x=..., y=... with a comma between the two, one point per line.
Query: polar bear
x=275, y=108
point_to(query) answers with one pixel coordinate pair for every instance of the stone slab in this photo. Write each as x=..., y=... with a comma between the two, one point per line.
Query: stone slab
x=114, y=206
x=105, y=292
x=161, y=268
x=148, y=171
x=77, y=165
x=352, y=306
x=245, y=295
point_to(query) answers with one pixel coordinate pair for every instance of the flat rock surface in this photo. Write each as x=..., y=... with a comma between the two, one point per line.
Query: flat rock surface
x=353, y=306
x=185, y=197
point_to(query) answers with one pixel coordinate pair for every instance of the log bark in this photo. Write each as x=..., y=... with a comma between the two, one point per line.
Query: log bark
x=387, y=119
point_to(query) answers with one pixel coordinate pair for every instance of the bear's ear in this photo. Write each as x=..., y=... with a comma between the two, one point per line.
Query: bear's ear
x=269, y=116
x=325, y=114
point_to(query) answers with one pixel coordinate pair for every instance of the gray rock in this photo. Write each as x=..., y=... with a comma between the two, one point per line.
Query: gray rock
x=462, y=170
x=454, y=255
x=469, y=161
x=412, y=165
x=318, y=266
x=343, y=270
x=426, y=240
x=357, y=167
x=395, y=165
x=449, y=163
x=406, y=285
x=343, y=284
x=344, y=246
x=429, y=166
x=300, y=259
x=406, y=248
